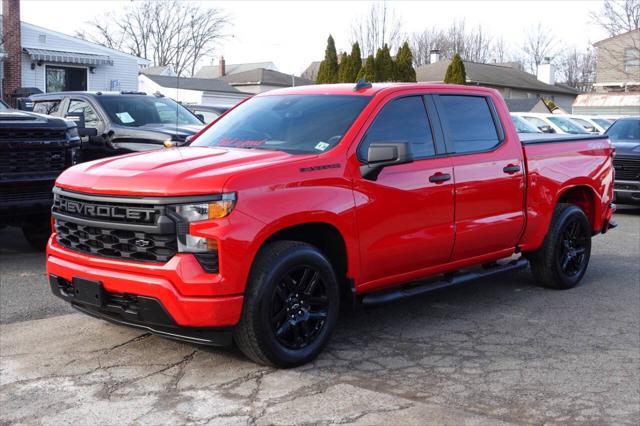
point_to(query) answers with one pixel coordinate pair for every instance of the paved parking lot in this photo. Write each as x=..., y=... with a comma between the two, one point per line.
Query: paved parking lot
x=501, y=350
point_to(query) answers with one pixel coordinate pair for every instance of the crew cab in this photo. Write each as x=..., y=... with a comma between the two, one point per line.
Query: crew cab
x=34, y=149
x=115, y=123
x=302, y=199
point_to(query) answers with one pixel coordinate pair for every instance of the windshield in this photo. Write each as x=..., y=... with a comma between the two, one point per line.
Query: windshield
x=567, y=125
x=139, y=110
x=625, y=130
x=602, y=122
x=300, y=124
x=523, y=126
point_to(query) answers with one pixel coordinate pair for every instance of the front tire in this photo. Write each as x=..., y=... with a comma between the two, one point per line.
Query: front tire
x=291, y=305
x=563, y=259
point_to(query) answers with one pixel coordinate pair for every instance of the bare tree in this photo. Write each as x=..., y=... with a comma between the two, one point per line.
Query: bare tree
x=539, y=44
x=424, y=42
x=472, y=44
x=577, y=69
x=378, y=27
x=618, y=16
x=167, y=32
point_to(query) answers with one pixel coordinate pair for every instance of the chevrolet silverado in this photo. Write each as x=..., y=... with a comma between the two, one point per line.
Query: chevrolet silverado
x=302, y=199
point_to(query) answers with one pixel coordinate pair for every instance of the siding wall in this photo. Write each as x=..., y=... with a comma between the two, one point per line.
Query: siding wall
x=610, y=65
x=124, y=69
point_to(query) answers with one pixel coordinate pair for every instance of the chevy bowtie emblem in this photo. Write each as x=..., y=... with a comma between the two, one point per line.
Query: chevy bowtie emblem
x=142, y=243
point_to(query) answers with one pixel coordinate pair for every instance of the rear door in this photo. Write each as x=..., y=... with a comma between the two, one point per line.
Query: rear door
x=489, y=176
x=405, y=219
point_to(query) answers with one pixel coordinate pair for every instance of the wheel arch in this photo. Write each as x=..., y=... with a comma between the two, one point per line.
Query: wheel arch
x=585, y=197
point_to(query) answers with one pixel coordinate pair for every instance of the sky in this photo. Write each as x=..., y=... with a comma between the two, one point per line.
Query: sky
x=293, y=34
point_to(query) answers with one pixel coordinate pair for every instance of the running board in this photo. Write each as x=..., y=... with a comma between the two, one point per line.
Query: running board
x=422, y=287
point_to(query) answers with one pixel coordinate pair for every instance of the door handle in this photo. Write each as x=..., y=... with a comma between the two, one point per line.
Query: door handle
x=511, y=169
x=439, y=177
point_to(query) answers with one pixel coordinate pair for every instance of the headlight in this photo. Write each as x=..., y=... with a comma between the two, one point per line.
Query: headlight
x=72, y=133
x=189, y=213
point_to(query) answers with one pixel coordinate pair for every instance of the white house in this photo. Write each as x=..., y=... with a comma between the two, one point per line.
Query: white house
x=207, y=91
x=52, y=61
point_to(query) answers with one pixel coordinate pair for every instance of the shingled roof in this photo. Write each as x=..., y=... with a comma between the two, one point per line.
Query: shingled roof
x=492, y=75
x=202, y=84
x=264, y=76
x=213, y=71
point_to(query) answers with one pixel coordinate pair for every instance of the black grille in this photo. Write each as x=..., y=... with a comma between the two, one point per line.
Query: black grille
x=32, y=134
x=627, y=168
x=115, y=243
x=112, y=212
x=32, y=161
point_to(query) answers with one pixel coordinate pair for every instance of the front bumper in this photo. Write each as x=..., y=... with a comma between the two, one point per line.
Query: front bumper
x=182, y=289
x=627, y=191
x=140, y=312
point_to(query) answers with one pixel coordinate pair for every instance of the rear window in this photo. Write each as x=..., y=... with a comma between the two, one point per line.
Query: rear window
x=469, y=123
x=299, y=124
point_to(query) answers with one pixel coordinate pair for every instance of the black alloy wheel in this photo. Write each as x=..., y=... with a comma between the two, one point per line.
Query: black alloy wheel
x=300, y=307
x=572, y=247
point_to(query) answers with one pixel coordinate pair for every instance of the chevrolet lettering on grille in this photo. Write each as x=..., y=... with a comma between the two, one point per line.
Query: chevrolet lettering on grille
x=106, y=212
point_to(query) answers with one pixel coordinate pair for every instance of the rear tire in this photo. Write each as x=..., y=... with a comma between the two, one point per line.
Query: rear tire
x=291, y=305
x=563, y=259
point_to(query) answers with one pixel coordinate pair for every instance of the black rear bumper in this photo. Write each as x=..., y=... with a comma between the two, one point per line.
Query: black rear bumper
x=140, y=312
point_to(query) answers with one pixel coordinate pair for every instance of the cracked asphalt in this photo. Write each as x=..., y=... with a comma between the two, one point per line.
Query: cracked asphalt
x=499, y=351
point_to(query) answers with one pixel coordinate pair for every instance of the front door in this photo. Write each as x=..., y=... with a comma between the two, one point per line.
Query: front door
x=405, y=219
x=489, y=176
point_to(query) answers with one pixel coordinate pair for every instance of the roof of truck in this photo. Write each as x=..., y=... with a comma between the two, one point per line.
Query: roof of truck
x=349, y=89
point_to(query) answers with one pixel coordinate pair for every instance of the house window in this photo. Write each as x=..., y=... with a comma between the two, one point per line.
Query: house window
x=61, y=79
x=631, y=59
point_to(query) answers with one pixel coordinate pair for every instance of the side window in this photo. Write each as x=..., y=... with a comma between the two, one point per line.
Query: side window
x=403, y=119
x=46, y=107
x=469, y=123
x=91, y=119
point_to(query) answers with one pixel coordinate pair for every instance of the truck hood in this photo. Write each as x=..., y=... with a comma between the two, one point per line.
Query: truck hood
x=630, y=147
x=168, y=172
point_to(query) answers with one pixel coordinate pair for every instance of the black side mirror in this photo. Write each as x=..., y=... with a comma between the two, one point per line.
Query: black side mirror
x=385, y=154
x=547, y=129
x=200, y=117
x=88, y=131
x=76, y=117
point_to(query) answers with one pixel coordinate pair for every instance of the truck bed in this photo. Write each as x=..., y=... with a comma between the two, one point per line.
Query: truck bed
x=555, y=164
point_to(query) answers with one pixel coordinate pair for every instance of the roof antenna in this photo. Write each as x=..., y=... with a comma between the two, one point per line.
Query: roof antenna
x=362, y=84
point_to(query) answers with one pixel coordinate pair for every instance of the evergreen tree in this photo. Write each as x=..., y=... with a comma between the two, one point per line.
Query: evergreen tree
x=455, y=71
x=368, y=70
x=355, y=63
x=404, y=64
x=343, y=68
x=328, y=71
x=384, y=65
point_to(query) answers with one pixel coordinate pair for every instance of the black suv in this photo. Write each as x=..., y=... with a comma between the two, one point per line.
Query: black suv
x=113, y=123
x=34, y=150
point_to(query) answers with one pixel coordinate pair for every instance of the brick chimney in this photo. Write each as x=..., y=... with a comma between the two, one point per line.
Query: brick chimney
x=12, y=47
x=221, y=67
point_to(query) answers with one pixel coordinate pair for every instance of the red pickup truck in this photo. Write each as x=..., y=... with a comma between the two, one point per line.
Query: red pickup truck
x=303, y=199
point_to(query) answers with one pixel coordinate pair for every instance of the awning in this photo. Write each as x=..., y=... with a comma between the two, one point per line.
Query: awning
x=67, y=57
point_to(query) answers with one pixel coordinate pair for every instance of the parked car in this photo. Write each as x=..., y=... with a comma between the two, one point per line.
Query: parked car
x=34, y=149
x=625, y=135
x=591, y=124
x=206, y=113
x=553, y=123
x=301, y=198
x=523, y=126
x=114, y=123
